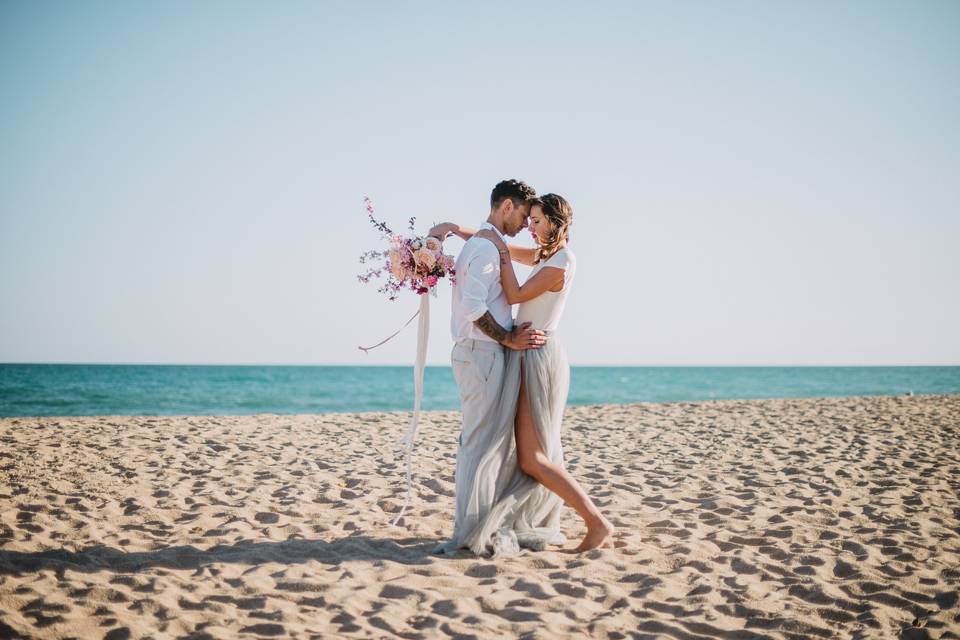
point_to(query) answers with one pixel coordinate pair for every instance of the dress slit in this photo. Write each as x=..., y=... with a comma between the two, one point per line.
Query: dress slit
x=504, y=510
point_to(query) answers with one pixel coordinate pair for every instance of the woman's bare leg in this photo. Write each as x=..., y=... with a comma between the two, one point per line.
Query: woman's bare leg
x=534, y=462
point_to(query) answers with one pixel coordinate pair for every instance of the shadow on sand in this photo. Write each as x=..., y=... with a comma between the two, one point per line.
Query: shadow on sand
x=410, y=551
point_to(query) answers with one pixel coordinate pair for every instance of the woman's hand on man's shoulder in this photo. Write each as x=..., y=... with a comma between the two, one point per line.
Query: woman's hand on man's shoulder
x=492, y=237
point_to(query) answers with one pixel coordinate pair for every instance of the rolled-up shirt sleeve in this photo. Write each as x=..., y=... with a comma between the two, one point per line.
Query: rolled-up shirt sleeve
x=483, y=269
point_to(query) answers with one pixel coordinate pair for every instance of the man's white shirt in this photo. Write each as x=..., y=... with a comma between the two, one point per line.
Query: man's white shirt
x=478, y=289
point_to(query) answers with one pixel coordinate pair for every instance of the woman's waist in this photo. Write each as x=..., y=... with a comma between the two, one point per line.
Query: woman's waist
x=550, y=336
x=538, y=318
x=551, y=348
x=548, y=328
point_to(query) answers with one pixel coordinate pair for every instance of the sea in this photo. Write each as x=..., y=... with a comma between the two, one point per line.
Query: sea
x=124, y=389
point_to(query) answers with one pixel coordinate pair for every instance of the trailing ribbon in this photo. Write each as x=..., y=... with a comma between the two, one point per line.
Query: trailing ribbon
x=366, y=349
x=423, y=333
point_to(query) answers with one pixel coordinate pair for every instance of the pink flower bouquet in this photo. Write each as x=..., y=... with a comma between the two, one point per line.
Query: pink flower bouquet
x=413, y=262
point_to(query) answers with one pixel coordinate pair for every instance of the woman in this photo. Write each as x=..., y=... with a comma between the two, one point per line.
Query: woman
x=531, y=492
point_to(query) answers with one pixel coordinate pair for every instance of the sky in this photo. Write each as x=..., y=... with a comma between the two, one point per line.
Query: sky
x=753, y=183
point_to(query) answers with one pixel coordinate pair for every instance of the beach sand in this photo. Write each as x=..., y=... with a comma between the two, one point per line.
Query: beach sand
x=825, y=518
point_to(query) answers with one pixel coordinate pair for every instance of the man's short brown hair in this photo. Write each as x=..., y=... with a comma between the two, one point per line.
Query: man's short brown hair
x=517, y=190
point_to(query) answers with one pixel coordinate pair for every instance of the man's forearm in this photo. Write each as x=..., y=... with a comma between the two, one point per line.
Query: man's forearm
x=489, y=326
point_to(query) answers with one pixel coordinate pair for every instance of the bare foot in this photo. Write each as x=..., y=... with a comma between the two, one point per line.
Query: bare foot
x=596, y=536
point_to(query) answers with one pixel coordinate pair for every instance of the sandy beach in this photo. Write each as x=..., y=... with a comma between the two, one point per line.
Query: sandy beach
x=826, y=518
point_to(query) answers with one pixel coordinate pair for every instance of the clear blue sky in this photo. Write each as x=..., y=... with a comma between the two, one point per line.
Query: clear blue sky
x=753, y=182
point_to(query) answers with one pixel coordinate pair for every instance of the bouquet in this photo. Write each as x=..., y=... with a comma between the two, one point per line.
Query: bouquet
x=414, y=262
x=418, y=264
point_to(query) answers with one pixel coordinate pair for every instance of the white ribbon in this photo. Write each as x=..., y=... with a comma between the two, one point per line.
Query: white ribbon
x=423, y=334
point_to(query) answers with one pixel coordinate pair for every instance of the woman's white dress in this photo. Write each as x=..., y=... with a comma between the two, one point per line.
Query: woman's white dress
x=503, y=509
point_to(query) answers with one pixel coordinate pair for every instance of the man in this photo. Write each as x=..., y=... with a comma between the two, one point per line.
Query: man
x=482, y=326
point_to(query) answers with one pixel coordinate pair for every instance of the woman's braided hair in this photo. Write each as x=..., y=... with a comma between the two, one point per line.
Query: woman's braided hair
x=559, y=212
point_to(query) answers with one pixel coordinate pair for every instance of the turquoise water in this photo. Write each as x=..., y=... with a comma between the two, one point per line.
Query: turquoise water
x=65, y=390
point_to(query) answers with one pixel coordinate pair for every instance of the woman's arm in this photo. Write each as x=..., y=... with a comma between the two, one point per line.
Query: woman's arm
x=464, y=233
x=544, y=280
x=445, y=229
x=523, y=255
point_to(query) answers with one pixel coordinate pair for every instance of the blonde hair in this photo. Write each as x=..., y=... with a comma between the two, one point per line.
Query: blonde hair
x=559, y=212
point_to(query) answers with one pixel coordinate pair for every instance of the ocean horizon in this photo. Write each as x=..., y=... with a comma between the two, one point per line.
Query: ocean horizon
x=205, y=389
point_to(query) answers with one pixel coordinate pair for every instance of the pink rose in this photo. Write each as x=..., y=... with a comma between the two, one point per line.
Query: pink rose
x=431, y=281
x=425, y=258
x=433, y=244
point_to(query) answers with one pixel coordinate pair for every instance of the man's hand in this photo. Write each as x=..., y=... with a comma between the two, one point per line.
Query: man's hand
x=523, y=337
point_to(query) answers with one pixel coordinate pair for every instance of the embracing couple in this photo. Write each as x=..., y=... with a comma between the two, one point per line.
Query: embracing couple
x=513, y=379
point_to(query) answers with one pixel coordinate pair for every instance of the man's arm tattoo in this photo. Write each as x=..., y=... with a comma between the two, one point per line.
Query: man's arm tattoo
x=489, y=326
